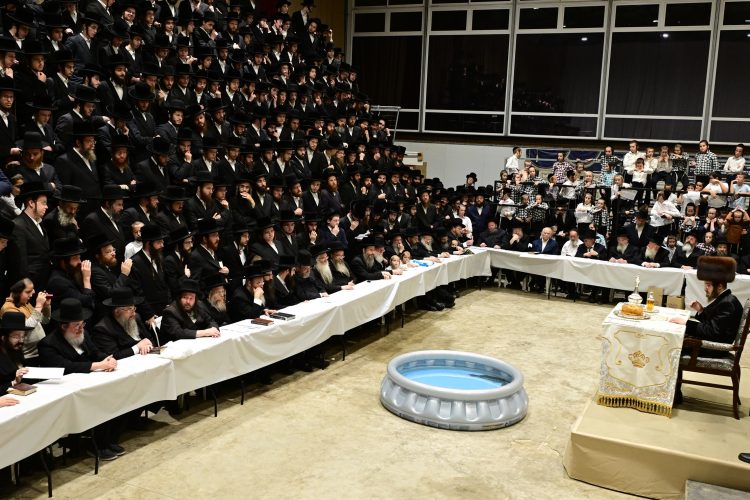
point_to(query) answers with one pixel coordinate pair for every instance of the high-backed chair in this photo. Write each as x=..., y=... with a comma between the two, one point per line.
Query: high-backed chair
x=728, y=365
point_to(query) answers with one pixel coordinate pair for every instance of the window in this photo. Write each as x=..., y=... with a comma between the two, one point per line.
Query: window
x=402, y=55
x=566, y=126
x=467, y=72
x=688, y=14
x=538, y=18
x=730, y=131
x=558, y=73
x=449, y=20
x=737, y=14
x=629, y=16
x=668, y=130
x=653, y=75
x=584, y=17
x=372, y=23
x=730, y=87
x=490, y=19
x=406, y=21
x=464, y=122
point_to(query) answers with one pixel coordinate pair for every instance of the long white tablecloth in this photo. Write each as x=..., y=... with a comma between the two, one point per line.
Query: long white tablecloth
x=590, y=272
x=78, y=402
x=694, y=290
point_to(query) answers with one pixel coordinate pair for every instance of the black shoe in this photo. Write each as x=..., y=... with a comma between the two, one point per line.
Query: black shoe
x=438, y=305
x=450, y=304
x=264, y=378
x=105, y=454
x=321, y=363
x=592, y=298
x=745, y=457
x=572, y=296
x=305, y=366
x=174, y=408
x=117, y=449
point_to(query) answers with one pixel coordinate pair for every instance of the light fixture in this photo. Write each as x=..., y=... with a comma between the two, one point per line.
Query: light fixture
x=586, y=39
x=665, y=35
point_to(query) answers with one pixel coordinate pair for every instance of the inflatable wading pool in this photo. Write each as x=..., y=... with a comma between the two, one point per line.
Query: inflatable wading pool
x=454, y=390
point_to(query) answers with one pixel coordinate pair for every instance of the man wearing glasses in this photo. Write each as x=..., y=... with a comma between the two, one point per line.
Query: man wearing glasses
x=122, y=332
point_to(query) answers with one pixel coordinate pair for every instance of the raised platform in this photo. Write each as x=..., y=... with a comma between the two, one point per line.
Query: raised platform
x=653, y=456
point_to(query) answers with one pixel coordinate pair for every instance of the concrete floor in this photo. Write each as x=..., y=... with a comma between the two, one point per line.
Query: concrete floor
x=325, y=434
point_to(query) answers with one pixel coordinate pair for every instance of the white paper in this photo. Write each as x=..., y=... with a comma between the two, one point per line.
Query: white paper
x=44, y=373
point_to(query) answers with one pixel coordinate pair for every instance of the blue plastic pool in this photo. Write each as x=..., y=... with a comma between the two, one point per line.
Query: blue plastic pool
x=454, y=390
x=467, y=379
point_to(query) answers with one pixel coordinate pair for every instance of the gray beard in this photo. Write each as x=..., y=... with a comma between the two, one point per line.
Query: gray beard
x=130, y=326
x=219, y=305
x=621, y=248
x=369, y=261
x=89, y=155
x=427, y=246
x=74, y=341
x=651, y=254
x=380, y=258
x=65, y=219
x=325, y=272
x=342, y=268
x=687, y=248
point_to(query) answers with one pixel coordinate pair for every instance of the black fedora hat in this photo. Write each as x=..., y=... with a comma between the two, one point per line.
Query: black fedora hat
x=41, y=101
x=159, y=146
x=122, y=297
x=84, y=93
x=202, y=177
x=151, y=232
x=286, y=261
x=71, y=310
x=84, y=129
x=161, y=41
x=254, y=271
x=206, y=226
x=33, y=48
x=24, y=16
x=185, y=134
x=62, y=56
x=304, y=258
x=264, y=223
x=91, y=18
x=318, y=249
x=288, y=216
x=91, y=69
x=13, y=321
x=188, y=286
x=111, y=192
x=146, y=189
x=141, y=92
x=119, y=29
x=150, y=69
x=67, y=247
x=71, y=194
x=174, y=193
x=31, y=140
x=213, y=281
x=97, y=242
x=240, y=227
x=53, y=20
x=180, y=234
x=34, y=188
x=215, y=104
x=117, y=60
x=8, y=44
x=120, y=141
x=7, y=84
x=6, y=228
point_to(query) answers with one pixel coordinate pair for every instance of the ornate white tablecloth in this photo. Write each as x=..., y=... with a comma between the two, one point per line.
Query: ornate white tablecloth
x=640, y=361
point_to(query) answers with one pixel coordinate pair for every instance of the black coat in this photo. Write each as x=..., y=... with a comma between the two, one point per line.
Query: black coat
x=681, y=259
x=176, y=325
x=148, y=170
x=32, y=251
x=264, y=251
x=55, y=351
x=642, y=240
x=97, y=222
x=718, y=322
x=150, y=284
x=111, y=338
x=71, y=169
x=362, y=273
x=202, y=265
x=630, y=254
x=61, y=286
x=243, y=306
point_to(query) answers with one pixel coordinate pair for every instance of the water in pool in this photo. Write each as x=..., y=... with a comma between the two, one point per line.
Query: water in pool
x=455, y=377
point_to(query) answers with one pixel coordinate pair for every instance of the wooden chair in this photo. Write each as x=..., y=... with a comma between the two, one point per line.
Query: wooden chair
x=728, y=366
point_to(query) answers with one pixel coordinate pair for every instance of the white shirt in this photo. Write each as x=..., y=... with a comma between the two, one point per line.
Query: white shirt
x=511, y=165
x=628, y=161
x=734, y=165
x=570, y=249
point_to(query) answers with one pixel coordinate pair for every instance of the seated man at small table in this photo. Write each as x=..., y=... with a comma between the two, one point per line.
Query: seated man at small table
x=188, y=317
x=69, y=347
x=121, y=331
x=720, y=320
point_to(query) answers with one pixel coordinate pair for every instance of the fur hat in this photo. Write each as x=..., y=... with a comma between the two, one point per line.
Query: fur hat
x=717, y=269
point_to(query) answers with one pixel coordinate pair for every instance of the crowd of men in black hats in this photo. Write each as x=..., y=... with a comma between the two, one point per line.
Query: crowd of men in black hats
x=184, y=166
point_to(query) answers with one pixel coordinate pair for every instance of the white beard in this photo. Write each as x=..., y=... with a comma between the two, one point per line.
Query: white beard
x=621, y=248
x=428, y=247
x=219, y=305
x=342, y=268
x=76, y=342
x=651, y=254
x=687, y=248
x=325, y=272
x=64, y=218
x=131, y=328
